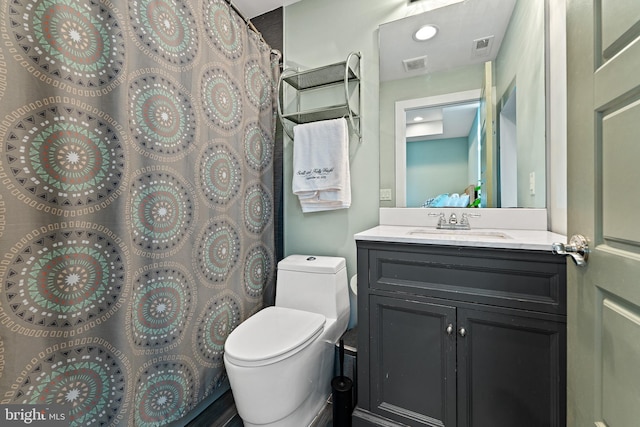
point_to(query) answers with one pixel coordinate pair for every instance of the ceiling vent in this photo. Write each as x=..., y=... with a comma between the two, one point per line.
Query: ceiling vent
x=415, y=64
x=482, y=47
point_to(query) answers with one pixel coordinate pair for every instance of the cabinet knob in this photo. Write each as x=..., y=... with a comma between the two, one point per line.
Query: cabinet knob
x=449, y=329
x=462, y=332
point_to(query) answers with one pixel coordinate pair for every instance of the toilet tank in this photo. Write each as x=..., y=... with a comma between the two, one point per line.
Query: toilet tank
x=313, y=283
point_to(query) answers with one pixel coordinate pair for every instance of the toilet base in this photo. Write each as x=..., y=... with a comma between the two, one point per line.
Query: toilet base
x=303, y=415
x=261, y=398
x=300, y=418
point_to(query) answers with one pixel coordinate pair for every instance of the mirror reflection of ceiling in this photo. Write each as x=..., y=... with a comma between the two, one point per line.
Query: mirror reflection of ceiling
x=469, y=32
x=443, y=122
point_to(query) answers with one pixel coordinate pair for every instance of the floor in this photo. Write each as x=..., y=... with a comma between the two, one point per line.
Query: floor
x=222, y=413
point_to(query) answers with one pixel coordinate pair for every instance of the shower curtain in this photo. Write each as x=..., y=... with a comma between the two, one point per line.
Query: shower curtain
x=136, y=202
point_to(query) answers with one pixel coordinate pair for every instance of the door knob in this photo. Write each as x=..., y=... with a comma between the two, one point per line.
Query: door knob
x=462, y=332
x=450, y=329
x=578, y=249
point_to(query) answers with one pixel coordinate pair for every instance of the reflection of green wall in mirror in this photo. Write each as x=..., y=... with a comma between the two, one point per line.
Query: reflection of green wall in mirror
x=521, y=61
x=435, y=167
x=440, y=83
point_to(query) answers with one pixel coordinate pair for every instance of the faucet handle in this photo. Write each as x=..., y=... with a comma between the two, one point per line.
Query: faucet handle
x=464, y=221
x=441, y=218
x=466, y=216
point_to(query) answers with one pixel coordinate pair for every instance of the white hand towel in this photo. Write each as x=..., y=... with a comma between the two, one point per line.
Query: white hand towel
x=321, y=178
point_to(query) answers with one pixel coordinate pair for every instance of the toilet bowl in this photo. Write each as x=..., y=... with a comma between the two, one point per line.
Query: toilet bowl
x=280, y=360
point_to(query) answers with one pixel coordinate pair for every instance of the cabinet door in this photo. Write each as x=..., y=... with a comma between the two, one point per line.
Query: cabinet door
x=511, y=370
x=412, y=362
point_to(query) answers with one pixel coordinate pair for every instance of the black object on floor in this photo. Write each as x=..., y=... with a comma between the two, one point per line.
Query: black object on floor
x=341, y=388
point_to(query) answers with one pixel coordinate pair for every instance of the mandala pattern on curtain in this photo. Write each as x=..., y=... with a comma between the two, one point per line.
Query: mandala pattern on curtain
x=136, y=205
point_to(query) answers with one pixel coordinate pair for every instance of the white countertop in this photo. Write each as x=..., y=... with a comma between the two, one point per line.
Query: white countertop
x=481, y=237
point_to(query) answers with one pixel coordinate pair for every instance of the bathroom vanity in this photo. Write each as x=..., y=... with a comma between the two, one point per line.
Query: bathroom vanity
x=460, y=329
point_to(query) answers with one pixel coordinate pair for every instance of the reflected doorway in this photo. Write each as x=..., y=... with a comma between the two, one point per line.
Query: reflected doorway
x=508, y=149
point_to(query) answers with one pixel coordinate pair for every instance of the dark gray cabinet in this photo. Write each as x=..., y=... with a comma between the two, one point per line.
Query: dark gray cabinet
x=451, y=336
x=409, y=346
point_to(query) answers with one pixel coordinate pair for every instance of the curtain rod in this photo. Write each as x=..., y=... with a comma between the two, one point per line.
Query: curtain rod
x=253, y=27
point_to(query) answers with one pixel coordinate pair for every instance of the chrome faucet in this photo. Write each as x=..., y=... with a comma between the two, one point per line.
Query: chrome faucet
x=453, y=223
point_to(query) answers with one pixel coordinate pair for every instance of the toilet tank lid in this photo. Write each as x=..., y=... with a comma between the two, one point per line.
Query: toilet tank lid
x=312, y=264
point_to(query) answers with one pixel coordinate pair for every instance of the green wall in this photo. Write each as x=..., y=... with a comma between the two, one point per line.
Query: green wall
x=436, y=166
x=521, y=61
x=318, y=33
x=321, y=32
x=439, y=83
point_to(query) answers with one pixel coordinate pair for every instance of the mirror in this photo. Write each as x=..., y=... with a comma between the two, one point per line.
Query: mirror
x=484, y=52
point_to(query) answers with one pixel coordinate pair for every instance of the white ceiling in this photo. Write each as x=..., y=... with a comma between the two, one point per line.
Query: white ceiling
x=252, y=8
x=458, y=26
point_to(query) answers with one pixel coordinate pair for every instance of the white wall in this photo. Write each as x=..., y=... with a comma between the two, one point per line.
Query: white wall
x=557, y=117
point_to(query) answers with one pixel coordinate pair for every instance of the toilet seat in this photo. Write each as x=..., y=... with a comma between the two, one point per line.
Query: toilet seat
x=271, y=335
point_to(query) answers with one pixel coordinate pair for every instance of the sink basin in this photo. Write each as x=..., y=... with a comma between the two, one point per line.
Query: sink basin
x=451, y=234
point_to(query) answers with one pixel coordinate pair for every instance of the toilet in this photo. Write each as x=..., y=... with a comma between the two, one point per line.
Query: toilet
x=280, y=360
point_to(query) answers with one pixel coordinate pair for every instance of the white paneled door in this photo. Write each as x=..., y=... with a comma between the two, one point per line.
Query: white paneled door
x=603, y=44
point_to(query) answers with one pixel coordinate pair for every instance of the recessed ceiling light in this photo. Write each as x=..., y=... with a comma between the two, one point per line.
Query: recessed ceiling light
x=425, y=32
